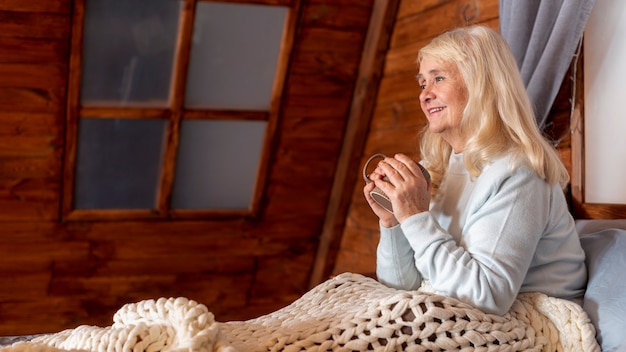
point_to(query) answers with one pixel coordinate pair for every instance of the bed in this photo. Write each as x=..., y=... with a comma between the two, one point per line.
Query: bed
x=351, y=312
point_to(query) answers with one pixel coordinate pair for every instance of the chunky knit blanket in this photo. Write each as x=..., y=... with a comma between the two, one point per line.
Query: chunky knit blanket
x=349, y=312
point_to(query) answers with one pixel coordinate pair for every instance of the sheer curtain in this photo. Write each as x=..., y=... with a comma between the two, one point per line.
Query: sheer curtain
x=543, y=36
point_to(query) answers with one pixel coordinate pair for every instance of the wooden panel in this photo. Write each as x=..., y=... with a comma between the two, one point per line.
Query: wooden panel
x=65, y=312
x=27, y=145
x=311, y=128
x=436, y=20
x=31, y=100
x=16, y=169
x=259, y=2
x=30, y=75
x=393, y=141
x=333, y=14
x=402, y=60
x=32, y=83
x=81, y=272
x=326, y=107
x=28, y=198
x=56, y=6
x=104, y=265
x=331, y=40
x=409, y=8
x=378, y=34
x=29, y=124
x=34, y=25
x=273, y=278
x=398, y=87
x=399, y=114
x=359, y=228
x=21, y=258
x=27, y=50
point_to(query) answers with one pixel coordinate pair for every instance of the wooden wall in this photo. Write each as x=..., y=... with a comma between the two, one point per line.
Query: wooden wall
x=397, y=120
x=57, y=274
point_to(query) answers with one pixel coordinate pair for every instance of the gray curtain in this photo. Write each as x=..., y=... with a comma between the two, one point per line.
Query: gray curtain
x=543, y=36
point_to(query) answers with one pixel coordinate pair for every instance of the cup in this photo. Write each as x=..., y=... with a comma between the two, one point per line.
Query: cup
x=377, y=194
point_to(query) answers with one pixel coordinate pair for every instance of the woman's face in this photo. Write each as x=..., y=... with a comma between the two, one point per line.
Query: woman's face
x=443, y=99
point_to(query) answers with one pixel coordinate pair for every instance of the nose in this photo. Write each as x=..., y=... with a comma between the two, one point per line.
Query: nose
x=426, y=95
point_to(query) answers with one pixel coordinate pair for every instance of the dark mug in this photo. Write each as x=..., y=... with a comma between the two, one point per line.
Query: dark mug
x=377, y=194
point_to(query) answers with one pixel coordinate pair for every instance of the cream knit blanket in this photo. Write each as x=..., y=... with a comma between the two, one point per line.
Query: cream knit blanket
x=347, y=313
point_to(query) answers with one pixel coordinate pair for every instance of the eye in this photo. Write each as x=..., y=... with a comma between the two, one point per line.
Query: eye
x=421, y=82
x=439, y=78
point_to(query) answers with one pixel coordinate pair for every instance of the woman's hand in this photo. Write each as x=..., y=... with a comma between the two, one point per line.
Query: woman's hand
x=407, y=188
x=387, y=219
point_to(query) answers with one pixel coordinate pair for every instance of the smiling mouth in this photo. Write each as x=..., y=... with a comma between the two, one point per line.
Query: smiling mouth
x=434, y=110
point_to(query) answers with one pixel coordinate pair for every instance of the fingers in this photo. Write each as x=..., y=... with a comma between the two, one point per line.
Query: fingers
x=387, y=168
x=402, y=180
x=399, y=168
x=386, y=218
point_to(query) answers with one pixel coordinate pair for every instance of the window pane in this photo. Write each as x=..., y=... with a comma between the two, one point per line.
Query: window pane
x=128, y=52
x=234, y=54
x=118, y=163
x=217, y=164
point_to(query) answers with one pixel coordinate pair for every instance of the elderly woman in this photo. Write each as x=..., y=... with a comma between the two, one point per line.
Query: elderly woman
x=493, y=220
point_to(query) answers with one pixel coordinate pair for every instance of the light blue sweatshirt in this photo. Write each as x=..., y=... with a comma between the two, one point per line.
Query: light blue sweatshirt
x=485, y=240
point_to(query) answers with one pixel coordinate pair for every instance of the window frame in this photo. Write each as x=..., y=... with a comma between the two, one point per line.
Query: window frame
x=175, y=113
x=582, y=208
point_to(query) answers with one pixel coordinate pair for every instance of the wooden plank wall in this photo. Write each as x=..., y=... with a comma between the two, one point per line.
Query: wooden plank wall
x=57, y=274
x=398, y=121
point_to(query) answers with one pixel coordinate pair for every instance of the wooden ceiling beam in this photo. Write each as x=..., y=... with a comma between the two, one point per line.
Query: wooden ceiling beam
x=361, y=110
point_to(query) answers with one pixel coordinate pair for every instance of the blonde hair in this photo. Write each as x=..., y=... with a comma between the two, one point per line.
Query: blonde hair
x=498, y=118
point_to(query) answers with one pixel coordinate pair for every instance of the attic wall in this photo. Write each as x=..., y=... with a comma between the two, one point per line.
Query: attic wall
x=57, y=274
x=397, y=120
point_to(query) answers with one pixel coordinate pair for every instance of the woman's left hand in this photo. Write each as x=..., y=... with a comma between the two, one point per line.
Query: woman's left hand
x=407, y=188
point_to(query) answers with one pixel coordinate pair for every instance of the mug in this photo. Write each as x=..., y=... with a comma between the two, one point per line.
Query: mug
x=377, y=194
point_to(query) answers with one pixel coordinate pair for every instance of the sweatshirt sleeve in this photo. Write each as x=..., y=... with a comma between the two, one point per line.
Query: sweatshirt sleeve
x=395, y=260
x=506, y=218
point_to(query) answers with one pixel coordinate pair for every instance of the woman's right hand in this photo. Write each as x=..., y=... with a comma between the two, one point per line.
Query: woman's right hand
x=387, y=219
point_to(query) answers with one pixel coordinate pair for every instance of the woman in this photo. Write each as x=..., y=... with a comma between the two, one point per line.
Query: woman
x=493, y=220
